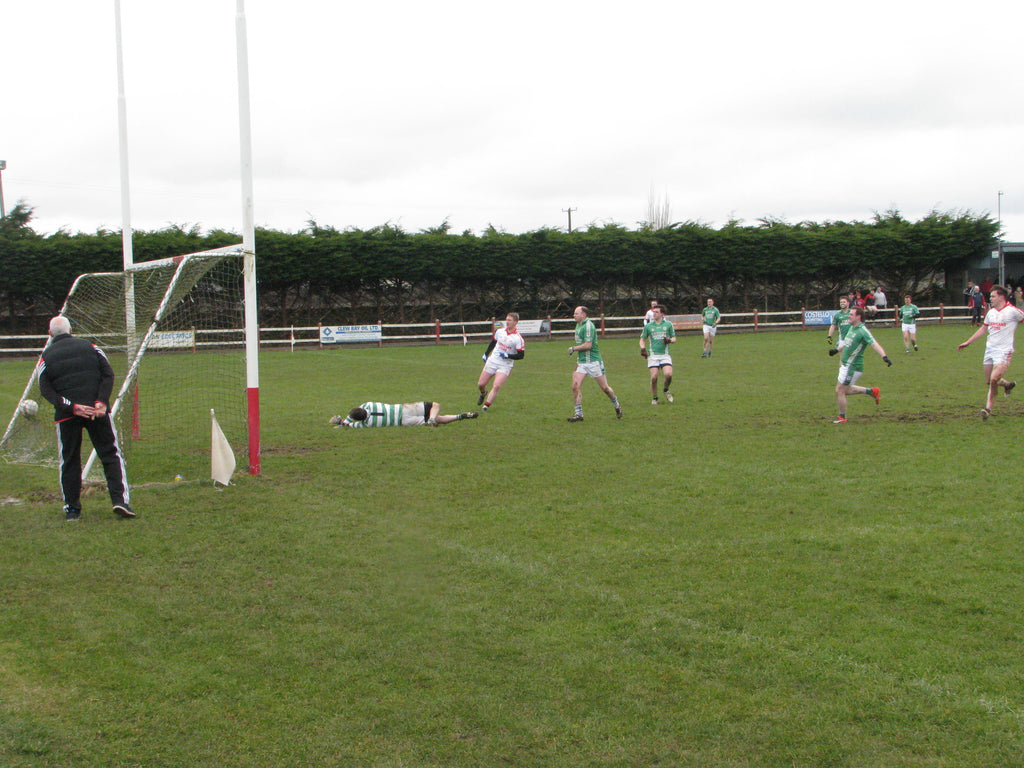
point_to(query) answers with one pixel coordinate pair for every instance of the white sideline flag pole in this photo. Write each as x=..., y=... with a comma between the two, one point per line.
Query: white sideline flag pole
x=222, y=458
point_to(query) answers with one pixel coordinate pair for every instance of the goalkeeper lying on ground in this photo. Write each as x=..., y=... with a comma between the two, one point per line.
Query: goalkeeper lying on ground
x=397, y=415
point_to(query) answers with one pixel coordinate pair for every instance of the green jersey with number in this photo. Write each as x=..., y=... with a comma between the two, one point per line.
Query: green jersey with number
x=710, y=315
x=841, y=320
x=858, y=339
x=657, y=333
x=909, y=313
x=585, y=332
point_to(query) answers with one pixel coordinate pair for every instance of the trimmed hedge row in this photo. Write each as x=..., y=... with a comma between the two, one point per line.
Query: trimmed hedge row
x=322, y=274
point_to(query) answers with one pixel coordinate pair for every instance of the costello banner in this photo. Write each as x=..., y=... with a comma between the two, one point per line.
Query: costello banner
x=819, y=317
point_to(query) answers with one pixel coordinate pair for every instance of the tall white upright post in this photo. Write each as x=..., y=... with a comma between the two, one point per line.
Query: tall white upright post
x=127, y=255
x=122, y=143
x=252, y=340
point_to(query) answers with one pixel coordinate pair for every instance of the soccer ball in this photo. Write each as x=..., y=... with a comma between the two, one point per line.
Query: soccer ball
x=28, y=408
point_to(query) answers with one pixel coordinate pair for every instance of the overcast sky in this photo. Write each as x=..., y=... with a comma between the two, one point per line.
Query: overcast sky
x=506, y=114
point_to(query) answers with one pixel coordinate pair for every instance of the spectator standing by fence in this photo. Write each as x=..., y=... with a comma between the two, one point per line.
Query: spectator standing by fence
x=881, y=302
x=969, y=293
x=977, y=303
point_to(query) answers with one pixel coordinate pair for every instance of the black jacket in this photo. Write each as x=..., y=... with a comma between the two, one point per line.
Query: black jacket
x=73, y=371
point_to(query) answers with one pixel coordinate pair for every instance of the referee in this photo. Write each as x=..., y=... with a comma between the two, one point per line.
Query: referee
x=76, y=377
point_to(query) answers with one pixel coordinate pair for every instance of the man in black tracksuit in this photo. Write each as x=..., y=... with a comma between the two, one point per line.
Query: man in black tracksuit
x=76, y=377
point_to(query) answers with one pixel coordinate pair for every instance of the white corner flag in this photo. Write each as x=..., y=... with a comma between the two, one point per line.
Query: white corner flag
x=222, y=458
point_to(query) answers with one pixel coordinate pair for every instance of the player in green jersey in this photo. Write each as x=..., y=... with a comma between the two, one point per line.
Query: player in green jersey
x=840, y=323
x=588, y=363
x=908, y=319
x=375, y=414
x=709, y=317
x=857, y=341
x=658, y=334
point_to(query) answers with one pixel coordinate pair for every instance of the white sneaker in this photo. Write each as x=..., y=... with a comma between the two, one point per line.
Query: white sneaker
x=668, y=396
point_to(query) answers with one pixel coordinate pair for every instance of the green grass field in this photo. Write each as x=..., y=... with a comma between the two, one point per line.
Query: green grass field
x=731, y=580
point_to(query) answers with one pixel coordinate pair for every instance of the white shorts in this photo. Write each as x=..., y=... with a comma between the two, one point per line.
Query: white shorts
x=997, y=357
x=848, y=377
x=497, y=365
x=710, y=330
x=657, y=361
x=593, y=370
x=414, y=414
x=909, y=327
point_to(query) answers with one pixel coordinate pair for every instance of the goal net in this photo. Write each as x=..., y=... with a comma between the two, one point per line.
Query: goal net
x=173, y=330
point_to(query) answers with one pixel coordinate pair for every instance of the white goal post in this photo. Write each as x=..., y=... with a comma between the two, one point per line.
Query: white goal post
x=172, y=330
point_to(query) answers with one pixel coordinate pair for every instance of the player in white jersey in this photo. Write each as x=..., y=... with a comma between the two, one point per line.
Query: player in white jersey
x=1001, y=322
x=373, y=414
x=649, y=317
x=506, y=346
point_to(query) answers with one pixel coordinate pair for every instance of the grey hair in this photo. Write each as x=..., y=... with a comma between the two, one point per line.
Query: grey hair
x=59, y=325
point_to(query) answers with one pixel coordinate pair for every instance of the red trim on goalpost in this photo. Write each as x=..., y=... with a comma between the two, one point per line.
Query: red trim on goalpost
x=254, y=430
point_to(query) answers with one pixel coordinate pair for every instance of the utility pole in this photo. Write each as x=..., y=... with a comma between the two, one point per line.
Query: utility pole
x=1002, y=262
x=570, y=210
x=3, y=211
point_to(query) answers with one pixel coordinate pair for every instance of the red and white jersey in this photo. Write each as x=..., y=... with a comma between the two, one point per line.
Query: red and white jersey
x=1001, y=324
x=506, y=342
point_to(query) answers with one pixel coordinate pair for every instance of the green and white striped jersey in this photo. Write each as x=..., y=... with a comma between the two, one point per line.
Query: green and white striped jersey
x=380, y=415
